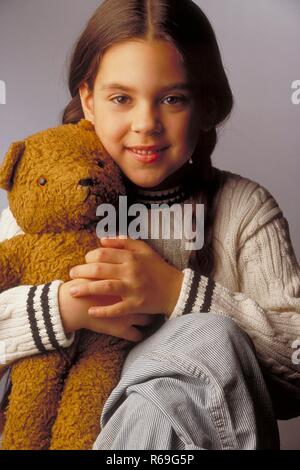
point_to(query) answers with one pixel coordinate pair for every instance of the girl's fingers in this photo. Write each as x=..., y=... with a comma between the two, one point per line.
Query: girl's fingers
x=133, y=334
x=140, y=319
x=96, y=271
x=127, y=332
x=106, y=255
x=109, y=311
x=107, y=287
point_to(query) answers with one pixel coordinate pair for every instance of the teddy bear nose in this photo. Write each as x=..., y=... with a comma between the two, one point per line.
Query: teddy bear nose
x=87, y=182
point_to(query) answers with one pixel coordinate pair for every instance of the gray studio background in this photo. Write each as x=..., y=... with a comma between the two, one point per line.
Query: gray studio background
x=259, y=42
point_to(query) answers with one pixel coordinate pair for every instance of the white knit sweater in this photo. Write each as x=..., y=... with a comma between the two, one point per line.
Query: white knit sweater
x=256, y=283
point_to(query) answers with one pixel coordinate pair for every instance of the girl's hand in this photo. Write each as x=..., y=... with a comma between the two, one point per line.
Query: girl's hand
x=74, y=315
x=132, y=270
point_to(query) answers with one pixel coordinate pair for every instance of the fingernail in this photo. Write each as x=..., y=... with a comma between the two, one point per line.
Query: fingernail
x=74, y=290
x=71, y=272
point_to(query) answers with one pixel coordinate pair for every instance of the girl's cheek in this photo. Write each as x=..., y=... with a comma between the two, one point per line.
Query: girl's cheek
x=119, y=134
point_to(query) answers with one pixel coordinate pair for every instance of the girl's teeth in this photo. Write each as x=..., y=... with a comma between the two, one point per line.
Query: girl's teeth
x=145, y=152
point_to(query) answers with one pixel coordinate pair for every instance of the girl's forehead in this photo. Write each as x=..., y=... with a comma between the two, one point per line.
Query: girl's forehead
x=158, y=45
x=144, y=51
x=136, y=58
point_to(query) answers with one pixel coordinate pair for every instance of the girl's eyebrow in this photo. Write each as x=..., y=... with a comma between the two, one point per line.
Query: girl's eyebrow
x=173, y=86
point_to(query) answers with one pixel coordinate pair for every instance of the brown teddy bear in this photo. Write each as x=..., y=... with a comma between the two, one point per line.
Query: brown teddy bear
x=55, y=180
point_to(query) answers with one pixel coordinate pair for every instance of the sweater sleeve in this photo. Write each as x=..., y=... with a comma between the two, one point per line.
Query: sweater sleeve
x=8, y=225
x=30, y=320
x=267, y=305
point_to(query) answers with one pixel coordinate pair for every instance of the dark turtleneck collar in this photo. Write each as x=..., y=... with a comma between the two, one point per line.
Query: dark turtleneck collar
x=175, y=194
x=176, y=191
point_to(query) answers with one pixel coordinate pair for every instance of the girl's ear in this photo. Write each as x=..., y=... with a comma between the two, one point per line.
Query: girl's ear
x=10, y=163
x=87, y=102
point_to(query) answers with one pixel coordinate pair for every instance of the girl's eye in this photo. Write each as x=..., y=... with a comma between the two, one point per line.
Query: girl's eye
x=118, y=99
x=121, y=99
x=180, y=99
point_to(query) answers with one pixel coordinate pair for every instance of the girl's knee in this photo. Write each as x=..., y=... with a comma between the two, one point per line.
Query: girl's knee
x=190, y=332
x=208, y=328
x=219, y=324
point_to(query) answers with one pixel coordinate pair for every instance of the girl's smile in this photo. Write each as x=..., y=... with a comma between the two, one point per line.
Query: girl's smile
x=143, y=110
x=148, y=154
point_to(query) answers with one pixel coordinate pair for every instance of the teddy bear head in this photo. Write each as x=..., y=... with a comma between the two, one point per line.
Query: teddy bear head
x=57, y=178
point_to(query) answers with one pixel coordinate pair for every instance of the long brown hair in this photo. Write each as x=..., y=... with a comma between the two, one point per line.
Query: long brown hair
x=182, y=23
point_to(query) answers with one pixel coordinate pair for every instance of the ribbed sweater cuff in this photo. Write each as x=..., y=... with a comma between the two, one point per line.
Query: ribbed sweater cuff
x=195, y=295
x=30, y=321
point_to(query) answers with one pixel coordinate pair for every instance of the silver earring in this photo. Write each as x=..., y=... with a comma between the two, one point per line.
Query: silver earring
x=191, y=161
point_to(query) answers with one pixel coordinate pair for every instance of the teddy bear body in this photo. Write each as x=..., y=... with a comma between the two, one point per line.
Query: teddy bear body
x=28, y=263
x=55, y=180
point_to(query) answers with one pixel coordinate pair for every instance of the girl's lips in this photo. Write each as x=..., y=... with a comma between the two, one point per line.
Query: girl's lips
x=149, y=158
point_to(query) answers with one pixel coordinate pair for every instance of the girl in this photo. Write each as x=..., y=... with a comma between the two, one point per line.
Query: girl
x=220, y=370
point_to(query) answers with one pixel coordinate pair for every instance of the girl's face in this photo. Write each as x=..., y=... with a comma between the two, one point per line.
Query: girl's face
x=141, y=98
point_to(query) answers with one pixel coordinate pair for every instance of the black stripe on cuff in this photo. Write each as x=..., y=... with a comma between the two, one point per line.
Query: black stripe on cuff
x=47, y=316
x=33, y=322
x=193, y=293
x=208, y=296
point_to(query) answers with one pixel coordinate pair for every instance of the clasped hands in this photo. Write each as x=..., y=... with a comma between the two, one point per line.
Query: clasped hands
x=131, y=270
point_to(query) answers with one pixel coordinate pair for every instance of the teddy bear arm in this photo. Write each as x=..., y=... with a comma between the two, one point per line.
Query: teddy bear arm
x=10, y=266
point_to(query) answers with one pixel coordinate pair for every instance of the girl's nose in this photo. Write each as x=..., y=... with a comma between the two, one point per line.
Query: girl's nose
x=146, y=121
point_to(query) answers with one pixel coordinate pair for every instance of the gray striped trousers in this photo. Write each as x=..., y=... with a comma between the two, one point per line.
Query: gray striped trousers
x=193, y=384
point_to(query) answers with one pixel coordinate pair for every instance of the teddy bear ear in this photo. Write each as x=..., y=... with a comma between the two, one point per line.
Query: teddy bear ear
x=85, y=124
x=10, y=163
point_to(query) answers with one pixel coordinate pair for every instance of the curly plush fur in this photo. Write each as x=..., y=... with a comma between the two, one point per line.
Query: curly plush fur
x=57, y=397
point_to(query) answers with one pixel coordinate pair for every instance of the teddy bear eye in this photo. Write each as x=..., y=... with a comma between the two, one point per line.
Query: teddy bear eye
x=101, y=163
x=42, y=181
